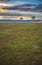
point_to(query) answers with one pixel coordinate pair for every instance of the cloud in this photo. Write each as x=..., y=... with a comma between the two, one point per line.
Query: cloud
x=21, y=6
x=11, y=4
x=4, y=4
x=18, y=3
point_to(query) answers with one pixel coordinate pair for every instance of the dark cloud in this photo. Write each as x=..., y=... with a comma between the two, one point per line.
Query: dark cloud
x=26, y=7
x=4, y=0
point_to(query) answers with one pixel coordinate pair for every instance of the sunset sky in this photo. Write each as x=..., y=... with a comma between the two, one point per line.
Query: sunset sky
x=21, y=7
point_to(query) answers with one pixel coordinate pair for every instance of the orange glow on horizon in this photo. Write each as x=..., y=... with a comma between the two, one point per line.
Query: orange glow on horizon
x=1, y=10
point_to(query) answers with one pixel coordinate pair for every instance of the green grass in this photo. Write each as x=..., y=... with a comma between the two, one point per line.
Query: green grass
x=20, y=43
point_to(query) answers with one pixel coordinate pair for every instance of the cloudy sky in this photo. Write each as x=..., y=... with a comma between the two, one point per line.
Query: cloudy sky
x=26, y=1
x=13, y=2
x=21, y=7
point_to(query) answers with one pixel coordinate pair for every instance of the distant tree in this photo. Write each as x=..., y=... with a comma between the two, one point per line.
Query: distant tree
x=21, y=18
x=33, y=17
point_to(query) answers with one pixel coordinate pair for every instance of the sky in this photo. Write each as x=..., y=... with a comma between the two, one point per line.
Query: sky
x=28, y=1
x=21, y=7
x=23, y=1
x=18, y=2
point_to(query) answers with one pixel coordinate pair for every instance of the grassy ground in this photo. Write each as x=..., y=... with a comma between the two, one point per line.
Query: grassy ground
x=20, y=43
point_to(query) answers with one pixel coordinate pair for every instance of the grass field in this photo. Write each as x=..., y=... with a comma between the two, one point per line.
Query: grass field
x=20, y=43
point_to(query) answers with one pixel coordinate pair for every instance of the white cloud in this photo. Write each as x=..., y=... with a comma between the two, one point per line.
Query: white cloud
x=18, y=3
x=3, y=4
x=11, y=4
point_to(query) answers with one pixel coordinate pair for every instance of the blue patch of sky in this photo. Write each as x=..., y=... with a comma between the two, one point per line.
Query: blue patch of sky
x=28, y=1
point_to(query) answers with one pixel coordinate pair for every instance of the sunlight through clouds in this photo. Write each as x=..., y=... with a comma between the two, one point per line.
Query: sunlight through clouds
x=20, y=8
